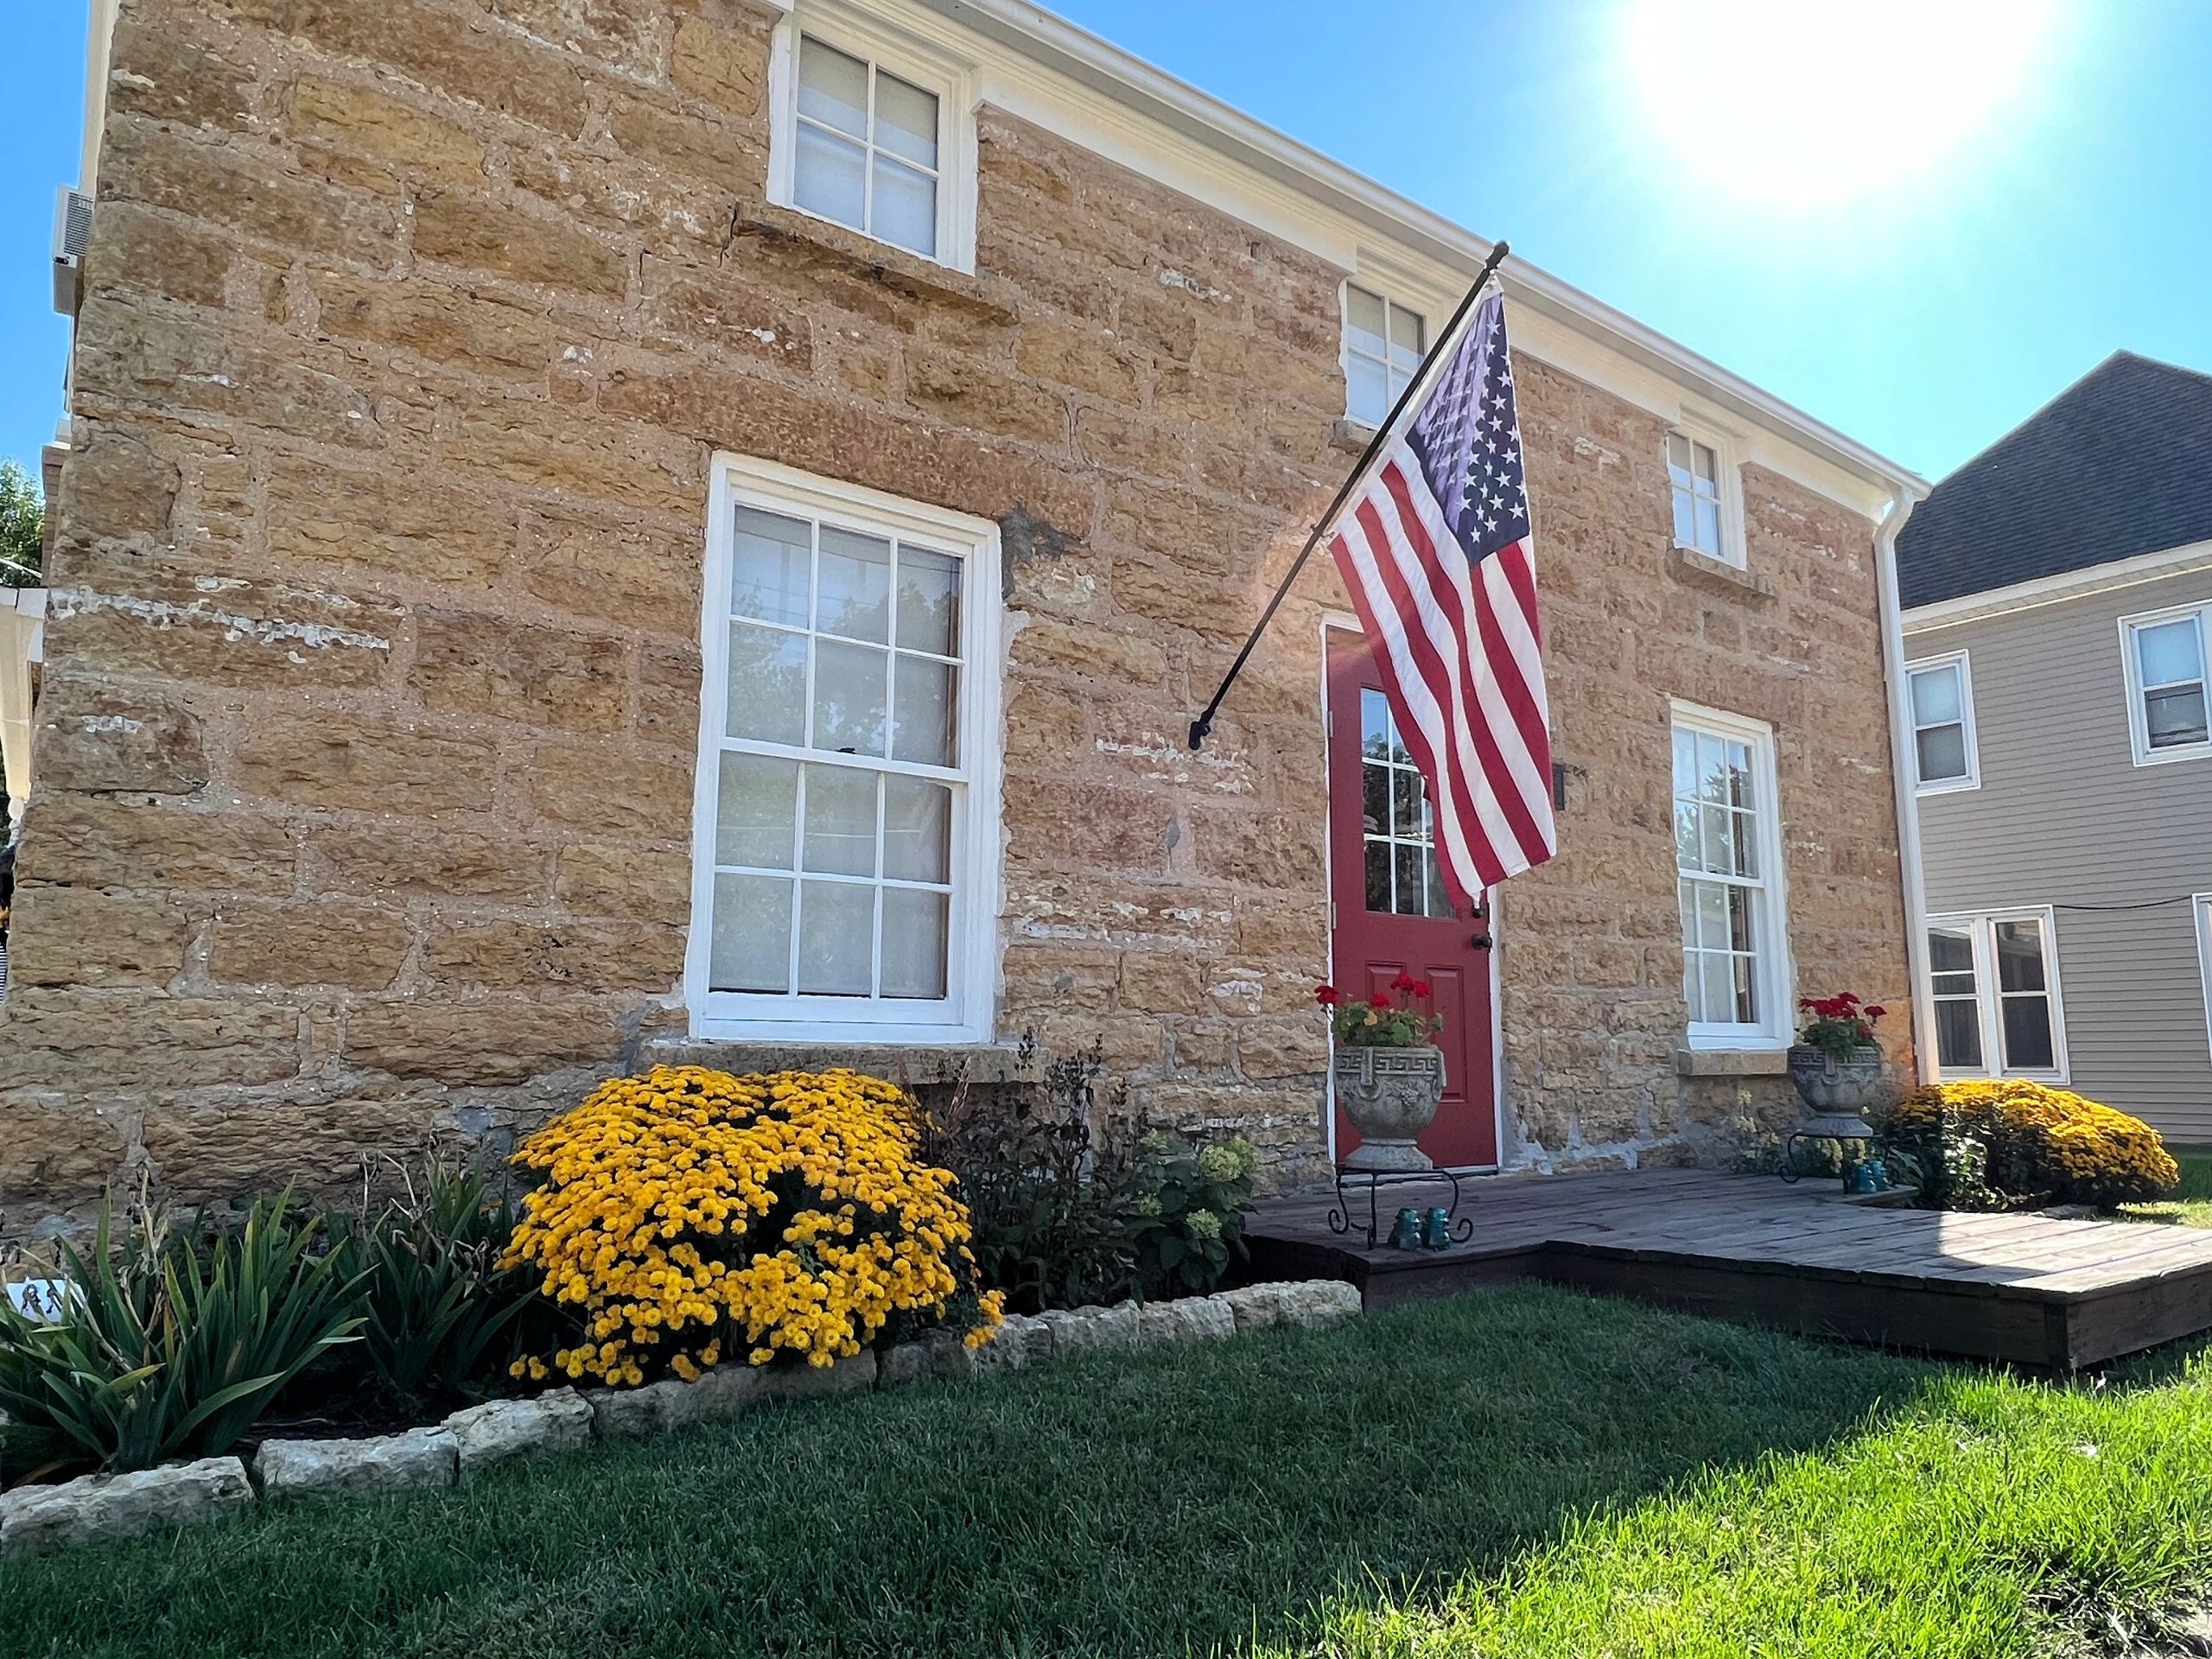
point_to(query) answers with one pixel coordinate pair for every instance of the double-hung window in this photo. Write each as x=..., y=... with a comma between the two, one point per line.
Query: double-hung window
x=2167, y=689
x=1384, y=343
x=1943, y=752
x=1728, y=856
x=1994, y=978
x=845, y=843
x=1693, y=475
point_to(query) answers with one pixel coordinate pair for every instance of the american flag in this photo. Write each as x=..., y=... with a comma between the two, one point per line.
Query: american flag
x=1435, y=546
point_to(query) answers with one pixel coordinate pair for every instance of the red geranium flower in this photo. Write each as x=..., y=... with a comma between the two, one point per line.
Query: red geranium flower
x=1404, y=981
x=1420, y=988
x=1327, y=995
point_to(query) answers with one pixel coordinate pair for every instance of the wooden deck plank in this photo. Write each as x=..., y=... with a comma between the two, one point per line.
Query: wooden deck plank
x=2034, y=1289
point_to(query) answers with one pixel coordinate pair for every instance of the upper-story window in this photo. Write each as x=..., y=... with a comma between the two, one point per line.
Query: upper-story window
x=2167, y=691
x=1696, y=474
x=1728, y=857
x=1943, y=750
x=847, y=823
x=874, y=136
x=1384, y=343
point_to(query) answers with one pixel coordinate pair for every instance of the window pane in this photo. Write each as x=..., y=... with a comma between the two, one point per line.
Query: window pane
x=1943, y=753
x=924, y=700
x=1712, y=916
x=1378, y=876
x=751, y=940
x=2171, y=651
x=2020, y=956
x=755, y=807
x=2028, y=1046
x=1936, y=695
x=772, y=560
x=1708, y=464
x=1406, y=335
x=1410, y=898
x=849, y=698
x=1739, y=920
x=914, y=936
x=1439, y=898
x=1409, y=803
x=1958, y=1035
x=1708, y=525
x=856, y=595
x=1747, y=995
x=836, y=937
x=1693, y=986
x=1363, y=322
x=1376, y=736
x=906, y=119
x=1712, y=769
x=905, y=206
x=767, y=685
x=832, y=88
x=1686, y=842
x=1718, y=974
x=828, y=176
x=2174, y=717
x=1678, y=457
x=1685, y=519
x=1740, y=775
x=1374, y=802
x=929, y=601
x=916, y=830
x=1685, y=765
x=1950, y=950
x=1367, y=391
x=840, y=821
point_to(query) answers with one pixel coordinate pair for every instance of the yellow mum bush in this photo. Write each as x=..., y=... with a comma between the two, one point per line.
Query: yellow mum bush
x=2035, y=1142
x=690, y=1214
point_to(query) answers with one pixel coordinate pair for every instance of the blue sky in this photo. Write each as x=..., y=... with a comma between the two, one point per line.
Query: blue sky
x=1917, y=222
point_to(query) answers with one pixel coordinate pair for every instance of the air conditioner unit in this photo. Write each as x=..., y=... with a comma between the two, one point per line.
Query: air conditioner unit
x=72, y=229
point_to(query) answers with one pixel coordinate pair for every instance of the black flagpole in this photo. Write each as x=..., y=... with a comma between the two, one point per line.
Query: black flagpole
x=1204, y=723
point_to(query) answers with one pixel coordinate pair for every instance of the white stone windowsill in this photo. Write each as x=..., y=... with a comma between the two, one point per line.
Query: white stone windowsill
x=1732, y=1062
x=1690, y=564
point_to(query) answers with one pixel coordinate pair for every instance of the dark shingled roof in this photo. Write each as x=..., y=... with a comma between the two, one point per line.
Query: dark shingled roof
x=2117, y=464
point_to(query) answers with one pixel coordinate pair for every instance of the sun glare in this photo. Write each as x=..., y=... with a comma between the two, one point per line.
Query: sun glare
x=1791, y=101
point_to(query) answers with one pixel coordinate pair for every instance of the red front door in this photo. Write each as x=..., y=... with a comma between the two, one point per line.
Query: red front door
x=1391, y=913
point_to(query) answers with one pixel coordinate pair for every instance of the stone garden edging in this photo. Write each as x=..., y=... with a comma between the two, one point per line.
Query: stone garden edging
x=98, y=1508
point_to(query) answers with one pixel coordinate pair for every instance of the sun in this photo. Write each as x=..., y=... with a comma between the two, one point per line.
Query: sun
x=1793, y=102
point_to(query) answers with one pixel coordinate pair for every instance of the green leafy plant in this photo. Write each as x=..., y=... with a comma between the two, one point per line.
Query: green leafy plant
x=1399, y=1019
x=1836, y=1024
x=23, y=527
x=170, y=1342
x=441, y=1319
x=1186, y=1218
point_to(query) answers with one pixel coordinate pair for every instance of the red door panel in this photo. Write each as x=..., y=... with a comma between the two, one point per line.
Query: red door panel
x=1392, y=915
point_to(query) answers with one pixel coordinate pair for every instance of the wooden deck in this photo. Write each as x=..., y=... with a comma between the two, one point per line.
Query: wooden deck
x=2029, y=1288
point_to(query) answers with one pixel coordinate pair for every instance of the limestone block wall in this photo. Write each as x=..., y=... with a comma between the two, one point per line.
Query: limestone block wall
x=365, y=751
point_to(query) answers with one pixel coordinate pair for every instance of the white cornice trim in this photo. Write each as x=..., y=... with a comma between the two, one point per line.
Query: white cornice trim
x=1262, y=168
x=2054, y=589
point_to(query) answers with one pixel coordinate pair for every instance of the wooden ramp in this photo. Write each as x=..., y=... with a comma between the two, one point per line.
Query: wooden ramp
x=2033, y=1289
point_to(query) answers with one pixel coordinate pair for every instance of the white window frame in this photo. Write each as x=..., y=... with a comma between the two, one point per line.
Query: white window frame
x=955, y=82
x=1777, y=975
x=1390, y=298
x=968, y=1014
x=1728, y=488
x=1982, y=927
x=1972, y=777
x=2138, y=731
x=2200, y=907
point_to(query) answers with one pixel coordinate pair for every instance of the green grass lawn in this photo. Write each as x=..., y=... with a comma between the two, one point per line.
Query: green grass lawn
x=1528, y=1473
x=2190, y=1205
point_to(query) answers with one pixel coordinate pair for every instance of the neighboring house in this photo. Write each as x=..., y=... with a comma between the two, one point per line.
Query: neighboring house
x=595, y=533
x=2059, y=590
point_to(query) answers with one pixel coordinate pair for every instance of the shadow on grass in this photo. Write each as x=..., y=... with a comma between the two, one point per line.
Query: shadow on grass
x=1155, y=1503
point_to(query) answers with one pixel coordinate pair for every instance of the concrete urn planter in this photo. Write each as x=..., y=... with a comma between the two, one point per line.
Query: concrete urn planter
x=1390, y=1095
x=1840, y=1089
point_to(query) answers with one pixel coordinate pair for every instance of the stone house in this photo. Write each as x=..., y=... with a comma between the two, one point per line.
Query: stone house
x=603, y=529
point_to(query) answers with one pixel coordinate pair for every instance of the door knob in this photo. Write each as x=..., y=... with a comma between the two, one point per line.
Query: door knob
x=1481, y=941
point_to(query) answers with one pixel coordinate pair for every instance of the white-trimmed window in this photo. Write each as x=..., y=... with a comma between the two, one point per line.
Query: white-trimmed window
x=1995, y=980
x=1384, y=343
x=1943, y=750
x=2201, y=907
x=874, y=134
x=2169, y=698
x=845, y=842
x=1728, y=858
x=1708, y=511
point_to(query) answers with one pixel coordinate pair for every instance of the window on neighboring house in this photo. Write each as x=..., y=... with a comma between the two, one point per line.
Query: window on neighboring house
x=1695, y=475
x=1728, y=851
x=1384, y=343
x=1943, y=724
x=2201, y=904
x=1994, y=978
x=2167, y=685
x=847, y=816
x=867, y=148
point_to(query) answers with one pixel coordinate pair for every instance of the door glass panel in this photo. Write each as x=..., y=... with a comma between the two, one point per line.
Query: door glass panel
x=1399, y=824
x=1378, y=875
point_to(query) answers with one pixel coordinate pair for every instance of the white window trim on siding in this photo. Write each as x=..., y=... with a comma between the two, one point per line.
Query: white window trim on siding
x=1728, y=456
x=1981, y=925
x=956, y=82
x=1778, y=973
x=2138, y=736
x=2200, y=905
x=1972, y=779
x=971, y=970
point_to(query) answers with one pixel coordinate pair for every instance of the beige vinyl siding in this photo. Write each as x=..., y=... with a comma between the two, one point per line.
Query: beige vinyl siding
x=2064, y=817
